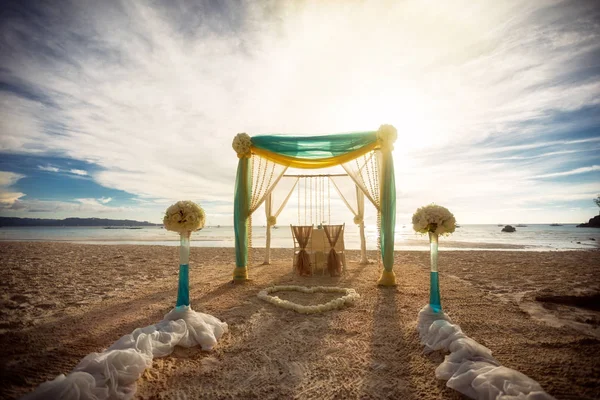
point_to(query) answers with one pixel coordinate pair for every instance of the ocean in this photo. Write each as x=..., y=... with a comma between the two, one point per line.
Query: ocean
x=534, y=237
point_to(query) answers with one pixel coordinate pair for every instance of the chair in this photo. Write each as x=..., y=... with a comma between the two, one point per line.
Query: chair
x=301, y=262
x=336, y=260
x=317, y=248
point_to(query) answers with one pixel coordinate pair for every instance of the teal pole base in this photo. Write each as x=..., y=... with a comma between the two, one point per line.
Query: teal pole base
x=183, y=291
x=435, y=301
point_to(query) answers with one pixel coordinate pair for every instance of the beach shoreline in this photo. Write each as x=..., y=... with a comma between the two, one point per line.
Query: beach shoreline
x=61, y=301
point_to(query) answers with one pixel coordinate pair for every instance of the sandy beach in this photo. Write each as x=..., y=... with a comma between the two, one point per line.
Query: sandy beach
x=539, y=312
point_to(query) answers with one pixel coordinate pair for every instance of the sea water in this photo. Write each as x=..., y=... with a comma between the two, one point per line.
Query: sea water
x=537, y=237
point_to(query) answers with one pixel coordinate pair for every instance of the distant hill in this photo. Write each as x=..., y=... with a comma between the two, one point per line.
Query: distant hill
x=13, y=221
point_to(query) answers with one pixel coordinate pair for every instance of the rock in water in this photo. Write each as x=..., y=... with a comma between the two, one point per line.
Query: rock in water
x=509, y=228
x=592, y=223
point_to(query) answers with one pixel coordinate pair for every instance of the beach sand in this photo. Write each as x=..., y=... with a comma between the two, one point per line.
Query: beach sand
x=537, y=311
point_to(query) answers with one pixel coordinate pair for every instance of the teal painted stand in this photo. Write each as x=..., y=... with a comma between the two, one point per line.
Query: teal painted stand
x=435, y=300
x=183, y=291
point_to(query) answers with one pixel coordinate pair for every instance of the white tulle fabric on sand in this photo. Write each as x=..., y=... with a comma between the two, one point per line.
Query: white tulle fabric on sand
x=112, y=374
x=470, y=367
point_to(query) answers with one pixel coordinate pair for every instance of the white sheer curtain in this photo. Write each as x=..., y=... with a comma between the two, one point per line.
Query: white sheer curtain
x=265, y=177
x=366, y=173
x=354, y=199
x=360, y=202
x=274, y=204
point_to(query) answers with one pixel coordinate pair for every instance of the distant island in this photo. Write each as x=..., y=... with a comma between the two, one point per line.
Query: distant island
x=14, y=221
x=592, y=223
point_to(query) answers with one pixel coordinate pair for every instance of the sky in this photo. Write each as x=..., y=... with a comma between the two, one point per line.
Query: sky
x=117, y=109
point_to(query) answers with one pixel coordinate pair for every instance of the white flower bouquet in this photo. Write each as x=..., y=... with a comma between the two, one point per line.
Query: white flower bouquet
x=241, y=144
x=387, y=135
x=184, y=216
x=435, y=219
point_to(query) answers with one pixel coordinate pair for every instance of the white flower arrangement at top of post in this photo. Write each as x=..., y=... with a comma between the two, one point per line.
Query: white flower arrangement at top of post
x=357, y=220
x=434, y=220
x=242, y=144
x=387, y=135
x=184, y=217
x=349, y=298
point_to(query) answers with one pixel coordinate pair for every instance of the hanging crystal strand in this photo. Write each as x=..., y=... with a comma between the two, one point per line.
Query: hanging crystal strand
x=360, y=172
x=305, y=199
x=310, y=198
x=312, y=195
x=253, y=175
x=254, y=183
x=320, y=186
x=372, y=176
x=375, y=181
x=329, y=201
x=318, y=197
x=379, y=262
x=250, y=239
x=259, y=194
x=375, y=162
x=270, y=179
x=323, y=198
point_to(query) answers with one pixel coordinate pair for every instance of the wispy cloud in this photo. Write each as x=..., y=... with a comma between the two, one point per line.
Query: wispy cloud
x=86, y=207
x=576, y=171
x=78, y=172
x=48, y=168
x=153, y=94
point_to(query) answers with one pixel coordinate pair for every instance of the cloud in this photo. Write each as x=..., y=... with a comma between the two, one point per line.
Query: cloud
x=101, y=202
x=154, y=95
x=9, y=178
x=78, y=172
x=48, y=168
x=80, y=207
x=576, y=171
x=7, y=196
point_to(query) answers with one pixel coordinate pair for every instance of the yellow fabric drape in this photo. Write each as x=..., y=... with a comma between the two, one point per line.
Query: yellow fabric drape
x=316, y=163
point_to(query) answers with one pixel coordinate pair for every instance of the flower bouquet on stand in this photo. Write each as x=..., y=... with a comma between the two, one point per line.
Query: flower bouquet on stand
x=434, y=220
x=184, y=217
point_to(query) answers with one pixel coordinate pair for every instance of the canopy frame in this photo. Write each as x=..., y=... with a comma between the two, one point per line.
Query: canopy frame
x=312, y=152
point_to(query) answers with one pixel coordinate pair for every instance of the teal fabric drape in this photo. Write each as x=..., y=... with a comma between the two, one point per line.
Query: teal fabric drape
x=241, y=210
x=388, y=210
x=314, y=147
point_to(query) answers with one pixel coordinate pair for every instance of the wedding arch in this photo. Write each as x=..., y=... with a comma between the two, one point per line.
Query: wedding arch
x=365, y=156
